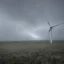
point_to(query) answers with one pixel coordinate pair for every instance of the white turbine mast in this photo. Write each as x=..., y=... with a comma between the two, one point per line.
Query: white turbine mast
x=51, y=28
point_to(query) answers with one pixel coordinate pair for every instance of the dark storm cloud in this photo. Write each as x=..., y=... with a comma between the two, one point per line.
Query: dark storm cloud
x=56, y=10
x=12, y=7
x=27, y=19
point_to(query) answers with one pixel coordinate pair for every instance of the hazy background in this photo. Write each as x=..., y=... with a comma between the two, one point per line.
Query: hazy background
x=27, y=19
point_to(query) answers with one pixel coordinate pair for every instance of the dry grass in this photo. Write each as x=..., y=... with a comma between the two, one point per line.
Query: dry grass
x=30, y=53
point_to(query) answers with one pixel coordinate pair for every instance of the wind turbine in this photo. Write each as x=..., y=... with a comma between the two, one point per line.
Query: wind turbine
x=51, y=28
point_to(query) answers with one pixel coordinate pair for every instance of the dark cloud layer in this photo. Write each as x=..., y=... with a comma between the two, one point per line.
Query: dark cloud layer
x=27, y=19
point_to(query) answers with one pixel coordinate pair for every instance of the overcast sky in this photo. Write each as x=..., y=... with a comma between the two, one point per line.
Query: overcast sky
x=27, y=19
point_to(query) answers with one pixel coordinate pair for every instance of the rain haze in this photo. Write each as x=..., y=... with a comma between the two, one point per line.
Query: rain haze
x=27, y=19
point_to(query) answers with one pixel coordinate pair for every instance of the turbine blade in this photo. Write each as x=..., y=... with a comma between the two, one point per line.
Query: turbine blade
x=49, y=30
x=57, y=25
x=49, y=23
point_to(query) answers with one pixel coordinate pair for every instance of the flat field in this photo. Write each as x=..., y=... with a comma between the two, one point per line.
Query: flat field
x=29, y=48
x=13, y=46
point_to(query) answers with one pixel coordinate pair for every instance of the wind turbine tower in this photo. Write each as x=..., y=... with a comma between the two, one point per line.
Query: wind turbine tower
x=51, y=28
